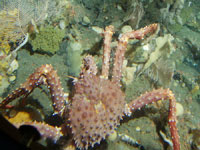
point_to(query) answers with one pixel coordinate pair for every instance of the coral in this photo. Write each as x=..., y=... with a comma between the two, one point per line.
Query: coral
x=16, y=17
x=4, y=65
x=47, y=40
x=5, y=47
x=6, y=70
x=74, y=58
x=9, y=32
x=23, y=12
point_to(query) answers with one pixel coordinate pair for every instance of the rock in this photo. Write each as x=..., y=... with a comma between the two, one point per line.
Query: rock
x=179, y=109
x=126, y=28
x=98, y=29
x=12, y=78
x=86, y=20
x=13, y=66
x=112, y=136
x=75, y=46
x=62, y=24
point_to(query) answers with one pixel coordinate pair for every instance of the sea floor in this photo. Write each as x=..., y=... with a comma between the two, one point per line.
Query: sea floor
x=144, y=125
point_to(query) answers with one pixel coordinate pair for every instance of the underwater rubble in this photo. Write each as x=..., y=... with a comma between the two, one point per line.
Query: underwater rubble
x=169, y=59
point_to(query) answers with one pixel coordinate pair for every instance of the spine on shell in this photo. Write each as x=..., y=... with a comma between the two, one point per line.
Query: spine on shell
x=89, y=66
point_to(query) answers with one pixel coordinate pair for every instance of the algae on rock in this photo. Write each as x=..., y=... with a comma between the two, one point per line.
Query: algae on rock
x=47, y=40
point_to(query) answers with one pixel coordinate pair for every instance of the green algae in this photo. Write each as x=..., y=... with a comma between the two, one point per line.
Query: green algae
x=47, y=40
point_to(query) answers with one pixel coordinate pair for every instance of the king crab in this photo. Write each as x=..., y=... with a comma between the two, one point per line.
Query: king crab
x=98, y=104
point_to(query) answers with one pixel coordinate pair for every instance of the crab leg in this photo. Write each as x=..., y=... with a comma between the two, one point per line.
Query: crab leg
x=154, y=96
x=43, y=75
x=122, y=45
x=106, y=50
x=45, y=130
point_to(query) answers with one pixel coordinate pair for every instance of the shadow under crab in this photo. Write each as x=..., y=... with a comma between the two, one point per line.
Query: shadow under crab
x=98, y=104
